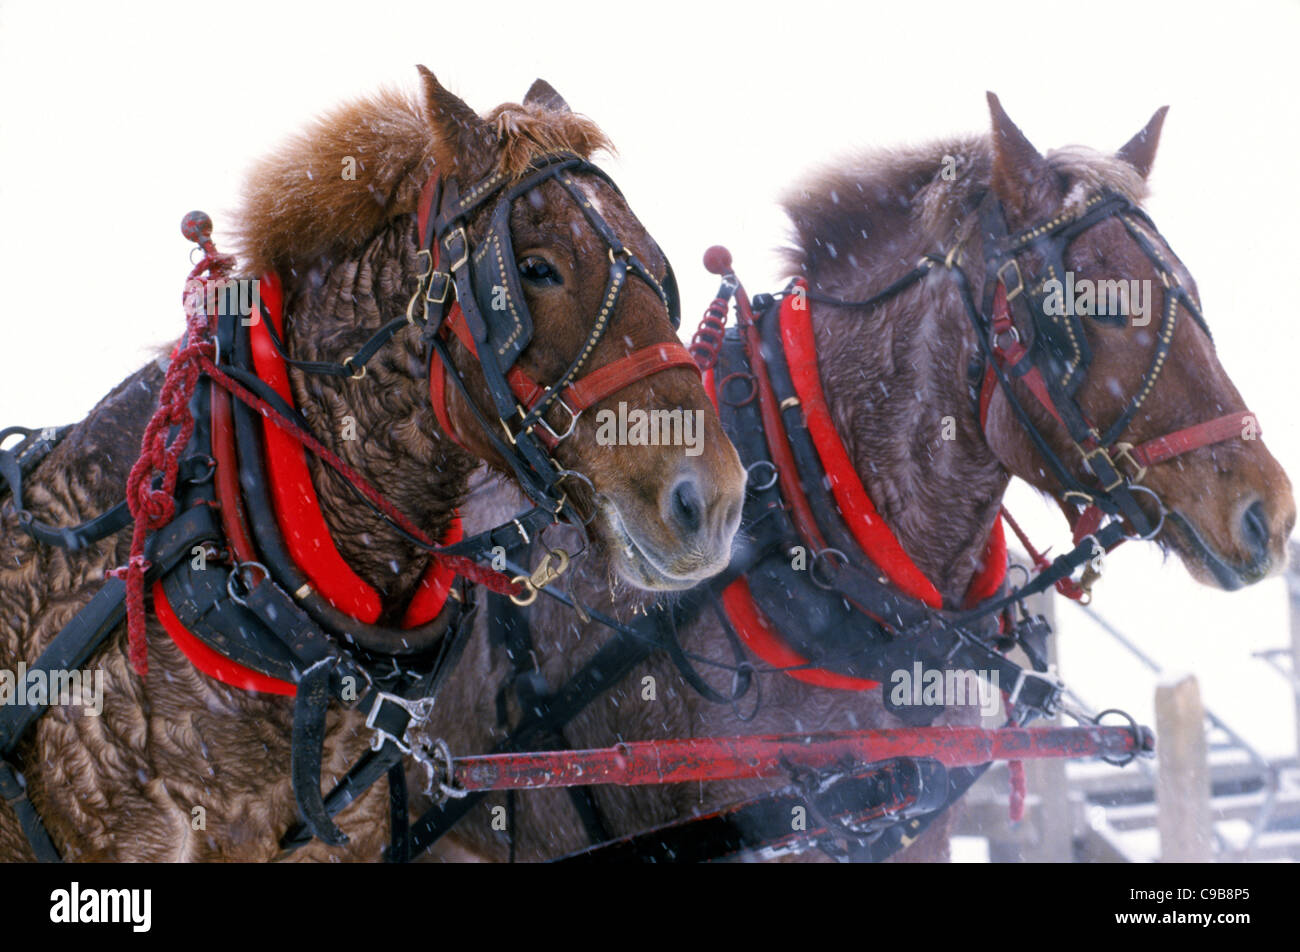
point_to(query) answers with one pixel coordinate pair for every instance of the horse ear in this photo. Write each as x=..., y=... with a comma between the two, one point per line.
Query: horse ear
x=1019, y=172
x=541, y=93
x=1140, y=151
x=464, y=144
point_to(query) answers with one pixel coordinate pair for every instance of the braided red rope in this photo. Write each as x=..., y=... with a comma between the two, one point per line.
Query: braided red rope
x=152, y=508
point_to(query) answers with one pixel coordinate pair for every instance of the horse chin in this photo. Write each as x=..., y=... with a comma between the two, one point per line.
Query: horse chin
x=1205, y=563
x=635, y=562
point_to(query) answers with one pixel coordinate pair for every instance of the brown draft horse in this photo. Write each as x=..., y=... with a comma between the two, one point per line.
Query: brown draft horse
x=125, y=785
x=891, y=375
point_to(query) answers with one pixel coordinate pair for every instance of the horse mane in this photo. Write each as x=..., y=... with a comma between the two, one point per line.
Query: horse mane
x=297, y=207
x=896, y=203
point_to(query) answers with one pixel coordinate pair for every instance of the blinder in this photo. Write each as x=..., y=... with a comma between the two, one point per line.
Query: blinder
x=491, y=311
x=498, y=291
x=1057, y=354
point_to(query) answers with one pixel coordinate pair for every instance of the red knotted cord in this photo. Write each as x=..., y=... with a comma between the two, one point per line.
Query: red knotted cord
x=152, y=507
x=1066, y=586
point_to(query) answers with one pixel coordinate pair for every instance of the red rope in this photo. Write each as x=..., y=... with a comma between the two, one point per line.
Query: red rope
x=1016, y=773
x=152, y=508
x=488, y=578
x=1066, y=586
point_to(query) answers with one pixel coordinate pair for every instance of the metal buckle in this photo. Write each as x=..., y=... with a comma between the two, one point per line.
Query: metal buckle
x=446, y=289
x=573, y=421
x=424, y=275
x=410, y=309
x=1050, y=707
x=419, y=711
x=1124, y=451
x=1020, y=282
x=350, y=366
x=446, y=243
x=1088, y=456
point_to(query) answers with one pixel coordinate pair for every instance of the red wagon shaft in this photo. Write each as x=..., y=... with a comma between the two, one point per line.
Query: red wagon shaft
x=733, y=758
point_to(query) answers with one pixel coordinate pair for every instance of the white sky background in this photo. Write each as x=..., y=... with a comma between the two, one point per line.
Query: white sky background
x=114, y=121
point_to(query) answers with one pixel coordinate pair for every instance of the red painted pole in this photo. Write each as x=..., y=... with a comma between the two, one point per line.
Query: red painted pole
x=732, y=758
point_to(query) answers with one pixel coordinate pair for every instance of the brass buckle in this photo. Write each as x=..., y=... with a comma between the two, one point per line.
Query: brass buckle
x=410, y=309
x=506, y=426
x=1020, y=281
x=446, y=290
x=451, y=269
x=1101, y=451
x=424, y=275
x=1124, y=451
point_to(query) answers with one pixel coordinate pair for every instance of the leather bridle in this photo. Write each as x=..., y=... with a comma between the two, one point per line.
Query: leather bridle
x=1054, y=362
x=476, y=296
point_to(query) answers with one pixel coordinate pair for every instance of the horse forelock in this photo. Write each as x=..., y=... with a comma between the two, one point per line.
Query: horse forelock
x=332, y=186
x=529, y=131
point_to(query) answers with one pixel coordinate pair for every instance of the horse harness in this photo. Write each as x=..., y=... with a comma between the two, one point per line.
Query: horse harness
x=859, y=624
x=265, y=624
x=859, y=611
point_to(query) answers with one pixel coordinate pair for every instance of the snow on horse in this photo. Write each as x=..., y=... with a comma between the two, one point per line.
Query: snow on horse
x=436, y=289
x=924, y=356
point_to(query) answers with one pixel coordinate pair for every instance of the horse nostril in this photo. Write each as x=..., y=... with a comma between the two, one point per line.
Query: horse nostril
x=1254, y=528
x=687, y=506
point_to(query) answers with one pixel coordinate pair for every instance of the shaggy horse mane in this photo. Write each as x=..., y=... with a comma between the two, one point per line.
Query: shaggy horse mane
x=873, y=195
x=297, y=207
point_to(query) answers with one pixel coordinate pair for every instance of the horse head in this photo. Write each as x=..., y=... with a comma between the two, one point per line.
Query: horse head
x=1118, y=330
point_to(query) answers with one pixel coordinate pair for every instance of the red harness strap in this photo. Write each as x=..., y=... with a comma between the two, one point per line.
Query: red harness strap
x=301, y=522
x=868, y=528
x=585, y=392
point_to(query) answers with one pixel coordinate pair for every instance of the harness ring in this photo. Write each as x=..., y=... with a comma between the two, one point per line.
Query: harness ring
x=816, y=559
x=771, y=481
x=1133, y=728
x=738, y=375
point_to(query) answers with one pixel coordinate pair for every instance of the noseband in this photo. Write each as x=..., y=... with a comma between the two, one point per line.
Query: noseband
x=476, y=295
x=1054, y=364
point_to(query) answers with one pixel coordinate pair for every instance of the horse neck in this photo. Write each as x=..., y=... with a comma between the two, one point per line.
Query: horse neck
x=380, y=425
x=897, y=381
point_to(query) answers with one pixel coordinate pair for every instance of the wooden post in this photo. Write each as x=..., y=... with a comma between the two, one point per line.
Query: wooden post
x=1183, y=774
x=1293, y=587
x=1053, y=841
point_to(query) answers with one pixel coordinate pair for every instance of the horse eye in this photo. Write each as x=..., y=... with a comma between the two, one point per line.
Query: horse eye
x=536, y=270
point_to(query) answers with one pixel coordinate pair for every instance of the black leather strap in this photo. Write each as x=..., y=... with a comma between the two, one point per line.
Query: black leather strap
x=309, y=709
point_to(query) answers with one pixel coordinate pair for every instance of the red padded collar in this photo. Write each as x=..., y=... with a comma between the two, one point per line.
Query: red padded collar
x=306, y=535
x=864, y=521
